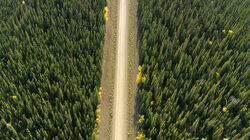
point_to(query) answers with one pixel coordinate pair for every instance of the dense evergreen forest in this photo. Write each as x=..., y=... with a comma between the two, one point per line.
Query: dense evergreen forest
x=194, y=56
x=50, y=68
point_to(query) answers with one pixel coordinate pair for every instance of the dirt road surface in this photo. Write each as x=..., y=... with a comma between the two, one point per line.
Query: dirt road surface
x=119, y=130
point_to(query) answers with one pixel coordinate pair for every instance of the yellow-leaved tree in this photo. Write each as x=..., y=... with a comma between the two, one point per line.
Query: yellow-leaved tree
x=139, y=77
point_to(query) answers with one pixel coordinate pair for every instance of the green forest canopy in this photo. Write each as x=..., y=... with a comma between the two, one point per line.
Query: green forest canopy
x=194, y=56
x=50, y=68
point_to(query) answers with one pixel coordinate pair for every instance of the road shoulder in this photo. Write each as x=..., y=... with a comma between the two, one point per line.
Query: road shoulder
x=108, y=72
x=133, y=60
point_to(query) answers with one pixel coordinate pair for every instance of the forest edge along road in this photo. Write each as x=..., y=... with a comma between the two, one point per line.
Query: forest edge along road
x=119, y=129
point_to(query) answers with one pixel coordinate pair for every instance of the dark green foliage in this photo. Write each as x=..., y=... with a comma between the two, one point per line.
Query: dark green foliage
x=189, y=78
x=50, y=68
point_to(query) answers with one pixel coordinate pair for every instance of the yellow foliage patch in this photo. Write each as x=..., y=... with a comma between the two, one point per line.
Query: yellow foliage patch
x=14, y=97
x=217, y=74
x=140, y=136
x=9, y=124
x=139, y=77
x=224, y=109
x=97, y=111
x=230, y=32
x=143, y=79
x=106, y=9
x=152, y=103
x=106, y=13
x=97, y=120
x=141, y=119
x=139, y=68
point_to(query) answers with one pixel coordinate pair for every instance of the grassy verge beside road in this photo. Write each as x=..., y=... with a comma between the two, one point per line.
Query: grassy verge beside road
x=132, y=69
x=108, y=75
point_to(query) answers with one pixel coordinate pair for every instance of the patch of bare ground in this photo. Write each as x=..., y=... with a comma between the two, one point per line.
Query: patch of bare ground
x=108, y=72
x=133, y=60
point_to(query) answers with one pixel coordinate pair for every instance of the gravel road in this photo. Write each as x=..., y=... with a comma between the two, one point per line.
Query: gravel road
x=119, y=130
